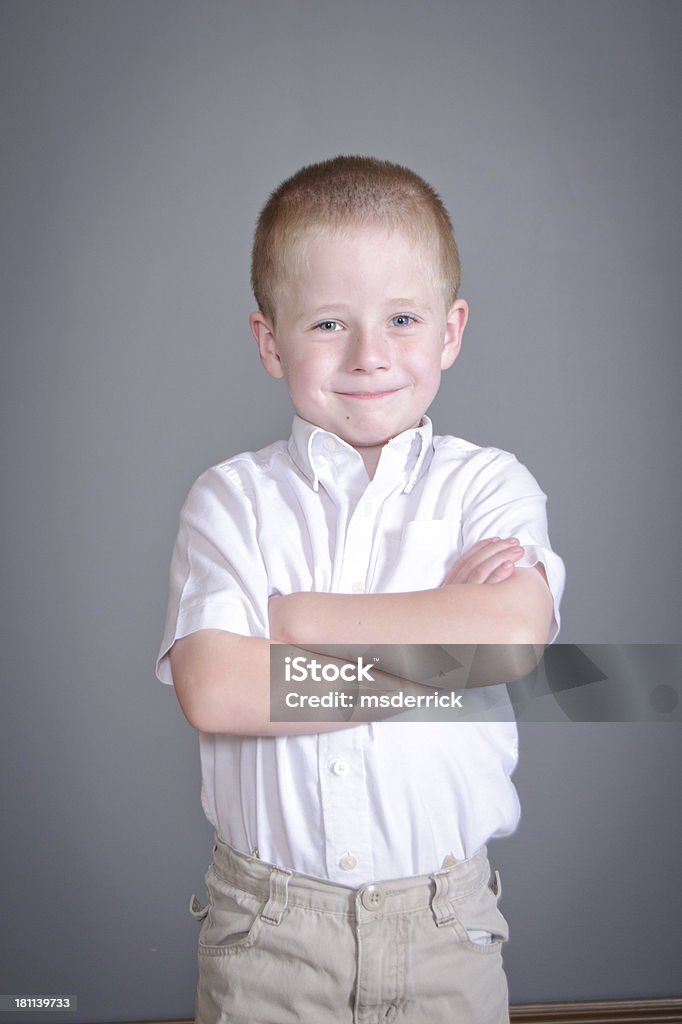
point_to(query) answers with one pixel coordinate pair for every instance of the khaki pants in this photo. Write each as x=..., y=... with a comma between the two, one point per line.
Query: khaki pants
x=277, y=947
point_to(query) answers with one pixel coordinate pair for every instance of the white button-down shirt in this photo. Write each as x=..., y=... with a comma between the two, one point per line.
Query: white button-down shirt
x=381, y=800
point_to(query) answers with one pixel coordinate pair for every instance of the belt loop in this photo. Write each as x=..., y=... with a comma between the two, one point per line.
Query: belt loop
x=442, y=910
x=273, y=910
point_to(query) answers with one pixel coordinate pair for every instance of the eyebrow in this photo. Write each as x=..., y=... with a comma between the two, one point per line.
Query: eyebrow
x=400, y=301
x=324, y=308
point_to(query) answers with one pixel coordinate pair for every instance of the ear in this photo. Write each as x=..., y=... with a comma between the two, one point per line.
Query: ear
x=454, y=329
x=267, y=345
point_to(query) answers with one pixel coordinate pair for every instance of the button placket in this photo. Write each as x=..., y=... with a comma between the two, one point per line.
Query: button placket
x=358, y=547
x=346, y=821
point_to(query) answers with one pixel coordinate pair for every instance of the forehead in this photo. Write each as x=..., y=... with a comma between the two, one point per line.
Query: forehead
x=365, y=256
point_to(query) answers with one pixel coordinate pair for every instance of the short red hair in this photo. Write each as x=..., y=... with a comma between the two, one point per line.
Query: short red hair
x=343, y=192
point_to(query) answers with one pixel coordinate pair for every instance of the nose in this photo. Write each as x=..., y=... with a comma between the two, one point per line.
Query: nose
x=368, y=351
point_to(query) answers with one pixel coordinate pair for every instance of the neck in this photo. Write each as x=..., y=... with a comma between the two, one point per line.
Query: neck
x=370, y=456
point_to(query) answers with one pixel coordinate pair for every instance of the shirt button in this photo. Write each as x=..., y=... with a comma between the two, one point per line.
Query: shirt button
x=358, y=587
x=348, y=862
x=330, y=444
x=340, y=767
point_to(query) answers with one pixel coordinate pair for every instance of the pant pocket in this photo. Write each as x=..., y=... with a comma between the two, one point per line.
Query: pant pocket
x=231, y=921
x=478, y=919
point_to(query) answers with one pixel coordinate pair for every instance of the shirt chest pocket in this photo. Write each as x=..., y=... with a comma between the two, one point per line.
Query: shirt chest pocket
x=419, y=557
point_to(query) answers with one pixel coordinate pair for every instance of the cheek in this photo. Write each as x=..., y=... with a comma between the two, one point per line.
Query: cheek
x=314, y=369
x=304, y=379
x=427, y=373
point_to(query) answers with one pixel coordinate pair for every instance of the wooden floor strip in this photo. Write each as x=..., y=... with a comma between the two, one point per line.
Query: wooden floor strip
x=629, y=1011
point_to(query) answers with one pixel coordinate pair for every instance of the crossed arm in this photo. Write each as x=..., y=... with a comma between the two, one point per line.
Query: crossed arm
x=222, y=679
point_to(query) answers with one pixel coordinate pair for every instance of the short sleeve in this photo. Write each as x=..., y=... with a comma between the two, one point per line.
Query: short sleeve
x=503, y=499
x=217, y=576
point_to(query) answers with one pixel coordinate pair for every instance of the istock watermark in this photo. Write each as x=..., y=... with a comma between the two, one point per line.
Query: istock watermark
x=340, y=684
x=302, y=669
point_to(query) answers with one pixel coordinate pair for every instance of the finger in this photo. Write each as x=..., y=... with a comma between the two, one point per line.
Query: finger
x=468, y=562
x=484, y=548
x=481, y=572
x=479, y=554
x=503, y=572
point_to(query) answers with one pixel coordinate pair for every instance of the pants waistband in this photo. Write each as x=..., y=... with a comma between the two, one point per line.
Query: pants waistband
x=279, y=887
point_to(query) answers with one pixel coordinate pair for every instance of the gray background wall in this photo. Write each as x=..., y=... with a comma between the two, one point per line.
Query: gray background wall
x=139, y=140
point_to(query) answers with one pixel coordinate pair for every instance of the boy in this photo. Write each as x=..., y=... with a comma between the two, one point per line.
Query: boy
x=349, y=880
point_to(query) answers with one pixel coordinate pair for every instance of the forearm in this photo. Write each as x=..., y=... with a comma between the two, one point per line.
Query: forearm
x=499, y=632
x=419, y=668
x=222, y=681
x=460, y=614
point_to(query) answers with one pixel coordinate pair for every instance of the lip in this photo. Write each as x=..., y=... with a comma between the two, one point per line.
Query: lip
x=368, y=396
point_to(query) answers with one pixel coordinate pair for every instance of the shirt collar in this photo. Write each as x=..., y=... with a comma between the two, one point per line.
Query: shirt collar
x=405, y=456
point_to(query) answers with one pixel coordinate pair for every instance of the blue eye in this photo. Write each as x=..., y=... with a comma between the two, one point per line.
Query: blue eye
x=402, y=320
x=328, y=326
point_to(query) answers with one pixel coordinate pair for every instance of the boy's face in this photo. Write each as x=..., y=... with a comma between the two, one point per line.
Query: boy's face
x=362, y=335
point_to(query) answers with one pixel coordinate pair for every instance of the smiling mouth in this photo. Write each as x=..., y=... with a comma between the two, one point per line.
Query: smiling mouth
x=368, y=395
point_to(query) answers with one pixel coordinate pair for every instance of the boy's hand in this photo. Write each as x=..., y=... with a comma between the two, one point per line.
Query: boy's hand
x=490, y=561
